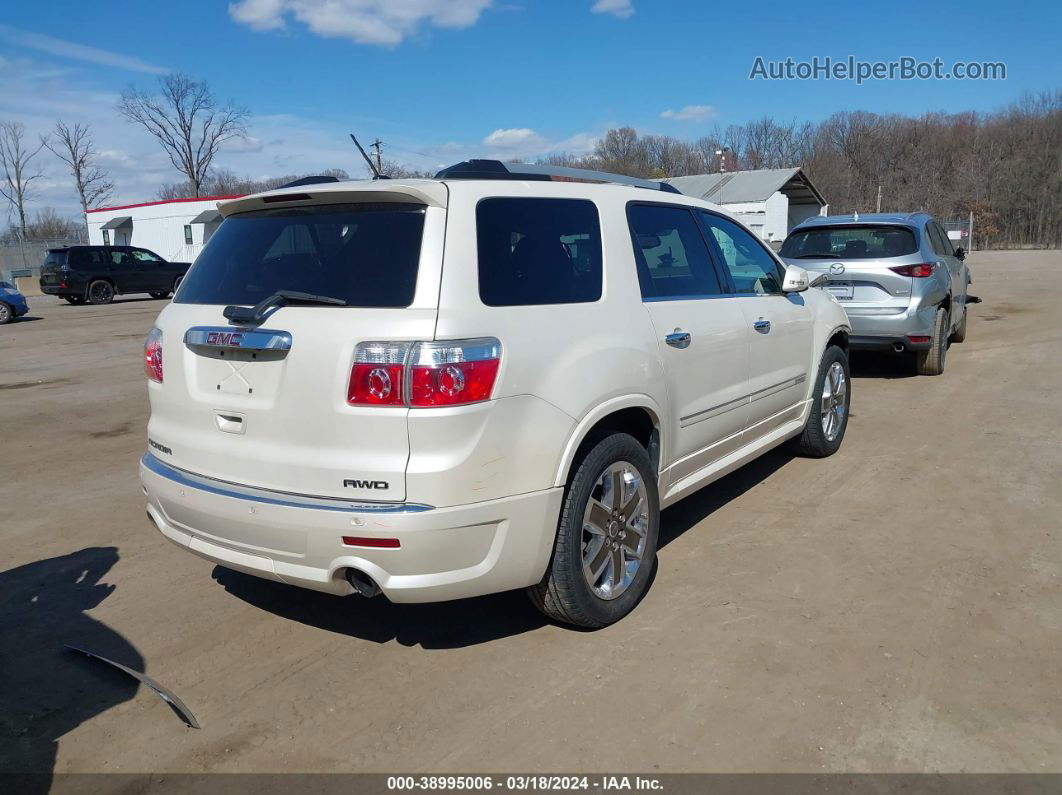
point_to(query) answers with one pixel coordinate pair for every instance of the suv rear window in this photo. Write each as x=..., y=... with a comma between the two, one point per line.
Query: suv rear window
x=364, y=254
x=850, y=242
x=56, y=258
x=538, y=251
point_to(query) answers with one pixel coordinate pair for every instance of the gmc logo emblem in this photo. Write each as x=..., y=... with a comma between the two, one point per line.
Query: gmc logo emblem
x=366, y=484
x=225, y=339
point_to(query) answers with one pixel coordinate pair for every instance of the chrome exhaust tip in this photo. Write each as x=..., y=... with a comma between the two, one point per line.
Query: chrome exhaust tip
x=897, y=347
x=362, y=583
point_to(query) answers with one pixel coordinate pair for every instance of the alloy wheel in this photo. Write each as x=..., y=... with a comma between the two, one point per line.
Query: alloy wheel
x=834, y=401
x=100, y=292
x=615, y=527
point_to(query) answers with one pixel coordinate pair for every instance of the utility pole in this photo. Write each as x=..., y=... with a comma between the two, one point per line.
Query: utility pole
x=879, y=199
x=377, y=144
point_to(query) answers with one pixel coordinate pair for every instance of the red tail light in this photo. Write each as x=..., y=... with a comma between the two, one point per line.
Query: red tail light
x=377, y=377
x=424, y=374
x=153, y=355
x=915, y=271
x=453, y=373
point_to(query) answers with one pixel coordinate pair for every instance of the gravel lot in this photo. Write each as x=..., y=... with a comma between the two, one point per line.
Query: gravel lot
x=897, y=607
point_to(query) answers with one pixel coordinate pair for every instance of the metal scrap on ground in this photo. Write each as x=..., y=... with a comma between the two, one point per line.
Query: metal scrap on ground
x=175, y=703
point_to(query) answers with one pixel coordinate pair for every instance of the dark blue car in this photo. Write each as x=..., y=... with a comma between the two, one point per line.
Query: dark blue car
x=12, y=303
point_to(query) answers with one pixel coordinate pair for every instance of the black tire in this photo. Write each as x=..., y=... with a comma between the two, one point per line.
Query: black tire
x=564, y=594
x=959, y=335
x=75, y=300
x=177, y=283
x=100, y=292
x=7, y=314
x=814, y=441
x=159, y=296
x=931, y=361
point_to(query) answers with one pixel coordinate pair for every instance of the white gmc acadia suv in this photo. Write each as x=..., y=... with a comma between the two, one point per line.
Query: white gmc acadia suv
x=495, y=379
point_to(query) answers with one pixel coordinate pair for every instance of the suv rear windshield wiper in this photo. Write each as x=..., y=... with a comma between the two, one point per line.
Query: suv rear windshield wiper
x=824, y=255
x=257, y=313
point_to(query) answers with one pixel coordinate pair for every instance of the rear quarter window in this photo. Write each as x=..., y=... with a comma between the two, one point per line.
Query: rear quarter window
x=366, y=255
x=538, y=251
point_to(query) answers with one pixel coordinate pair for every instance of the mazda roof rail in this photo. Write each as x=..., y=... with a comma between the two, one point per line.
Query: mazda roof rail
x=496, y=169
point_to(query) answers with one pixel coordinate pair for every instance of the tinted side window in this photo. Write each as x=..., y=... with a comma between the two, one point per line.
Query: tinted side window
x=670, y=253
x=949, y=244
x=751, y=268
x=938, y=245
x=143, y=255
x=538, y=251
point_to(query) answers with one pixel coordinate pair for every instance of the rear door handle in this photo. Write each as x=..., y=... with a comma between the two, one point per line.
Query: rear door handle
x=678, y=339
x=762, y=325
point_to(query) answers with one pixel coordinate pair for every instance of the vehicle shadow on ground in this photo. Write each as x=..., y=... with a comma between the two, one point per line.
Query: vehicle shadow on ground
x=467, y=622
x=684, y=515
x=440, y=625
x=882, y=365
x=45, y=690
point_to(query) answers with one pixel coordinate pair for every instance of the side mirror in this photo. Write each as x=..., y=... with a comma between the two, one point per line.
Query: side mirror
x=796, y=280
x=960, y=252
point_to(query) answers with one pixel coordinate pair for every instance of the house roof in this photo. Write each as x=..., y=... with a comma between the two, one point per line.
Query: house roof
x=733, y=187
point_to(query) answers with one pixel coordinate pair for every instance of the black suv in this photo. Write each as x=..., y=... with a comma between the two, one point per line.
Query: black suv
x=97, y=273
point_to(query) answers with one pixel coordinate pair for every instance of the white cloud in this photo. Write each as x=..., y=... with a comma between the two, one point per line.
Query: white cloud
x=382, y=22
x=243, y=143
x=77, y=52
x=690, y=113
x=515, y=138
x=618, y=8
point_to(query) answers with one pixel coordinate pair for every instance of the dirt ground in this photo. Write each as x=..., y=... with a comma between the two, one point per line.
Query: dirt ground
x=897, y=607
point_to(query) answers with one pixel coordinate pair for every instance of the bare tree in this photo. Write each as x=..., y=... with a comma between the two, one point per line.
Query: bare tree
x=47, y=224
x=74, y=147
x=187, y=121
x=19, y=171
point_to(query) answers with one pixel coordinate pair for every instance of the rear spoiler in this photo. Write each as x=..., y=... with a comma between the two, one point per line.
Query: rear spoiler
x=420, y=191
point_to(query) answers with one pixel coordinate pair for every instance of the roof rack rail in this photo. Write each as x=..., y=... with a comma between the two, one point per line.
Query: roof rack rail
x=496, y=169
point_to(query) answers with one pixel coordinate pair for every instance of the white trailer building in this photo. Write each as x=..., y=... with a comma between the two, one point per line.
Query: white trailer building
x=770, y=201
x=175, y=229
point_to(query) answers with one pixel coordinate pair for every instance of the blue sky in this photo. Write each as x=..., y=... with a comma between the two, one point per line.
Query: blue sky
x=441, y=80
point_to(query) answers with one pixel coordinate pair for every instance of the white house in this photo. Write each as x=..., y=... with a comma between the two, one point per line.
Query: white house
x=770, y=201
x=175, y=229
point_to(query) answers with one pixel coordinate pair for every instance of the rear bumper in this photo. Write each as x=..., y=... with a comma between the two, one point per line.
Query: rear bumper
x=858, y=343
x=444, y=553
x=55, y=289
x=874, y=330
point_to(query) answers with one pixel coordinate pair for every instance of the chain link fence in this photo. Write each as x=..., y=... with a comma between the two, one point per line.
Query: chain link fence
x=21, y=259
x=960, y=232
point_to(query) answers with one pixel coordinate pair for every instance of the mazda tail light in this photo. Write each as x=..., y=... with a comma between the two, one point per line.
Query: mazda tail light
x=424, y=374
x=920, y=271
x=153, y=355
